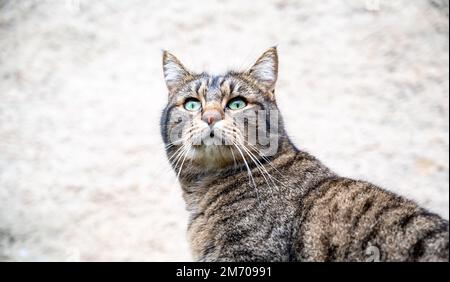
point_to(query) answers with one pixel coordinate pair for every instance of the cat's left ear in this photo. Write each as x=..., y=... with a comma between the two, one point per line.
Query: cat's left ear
x=175, y=74
x=265, y=70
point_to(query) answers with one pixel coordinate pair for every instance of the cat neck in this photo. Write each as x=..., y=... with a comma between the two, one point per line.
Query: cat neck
x=199, y=184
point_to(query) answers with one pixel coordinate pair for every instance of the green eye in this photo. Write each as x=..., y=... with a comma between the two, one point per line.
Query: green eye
x=237, y=104
x=192, y=105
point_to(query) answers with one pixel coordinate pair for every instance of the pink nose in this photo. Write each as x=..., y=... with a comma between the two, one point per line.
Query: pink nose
x=211, y=116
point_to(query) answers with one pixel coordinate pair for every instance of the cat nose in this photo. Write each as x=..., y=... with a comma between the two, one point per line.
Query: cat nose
x=211, y=117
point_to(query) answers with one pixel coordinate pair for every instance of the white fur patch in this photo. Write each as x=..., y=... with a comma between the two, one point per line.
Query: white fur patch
x=265, y=70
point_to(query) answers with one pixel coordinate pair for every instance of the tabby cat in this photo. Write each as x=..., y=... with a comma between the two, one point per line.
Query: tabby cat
x=248, y=203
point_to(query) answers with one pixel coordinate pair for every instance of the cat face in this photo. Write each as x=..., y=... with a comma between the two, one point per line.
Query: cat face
x=215, y=121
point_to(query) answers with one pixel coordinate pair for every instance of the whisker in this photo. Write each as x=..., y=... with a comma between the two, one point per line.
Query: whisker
x=237, y=132
x=263, y=157
x=255, y=159
x=250, y=175
x=179, y=154
x=189, y=134
x=185, y=139
x=176, y=152
x=234, y=158
x=260, y=167
x=187, y=151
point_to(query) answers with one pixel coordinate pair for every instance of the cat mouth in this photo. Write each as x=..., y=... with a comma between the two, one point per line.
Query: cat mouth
x=211, y=137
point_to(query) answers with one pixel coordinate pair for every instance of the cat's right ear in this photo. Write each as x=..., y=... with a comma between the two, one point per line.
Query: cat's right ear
x=175, y=74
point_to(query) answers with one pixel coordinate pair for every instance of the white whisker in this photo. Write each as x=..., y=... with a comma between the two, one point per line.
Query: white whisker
x=256, y=161
x=250, y=175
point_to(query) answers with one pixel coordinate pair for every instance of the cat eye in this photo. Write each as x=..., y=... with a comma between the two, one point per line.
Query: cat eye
x=192, y=105
x=237, y=104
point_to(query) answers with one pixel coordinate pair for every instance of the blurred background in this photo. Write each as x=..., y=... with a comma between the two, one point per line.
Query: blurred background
x=363, y=85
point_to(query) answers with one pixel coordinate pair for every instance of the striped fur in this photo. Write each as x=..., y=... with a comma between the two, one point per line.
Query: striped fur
x=294, y=208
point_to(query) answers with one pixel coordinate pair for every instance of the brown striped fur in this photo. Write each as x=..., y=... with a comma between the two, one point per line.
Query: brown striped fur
x=308, y=214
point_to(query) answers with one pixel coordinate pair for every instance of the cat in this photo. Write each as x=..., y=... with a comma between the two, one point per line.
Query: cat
x=284, y=205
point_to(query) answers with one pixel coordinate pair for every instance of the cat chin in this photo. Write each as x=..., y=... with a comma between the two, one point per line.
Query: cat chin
x=212, y=156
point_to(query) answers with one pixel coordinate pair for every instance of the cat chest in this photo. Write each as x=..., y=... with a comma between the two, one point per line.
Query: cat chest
x=242, y=232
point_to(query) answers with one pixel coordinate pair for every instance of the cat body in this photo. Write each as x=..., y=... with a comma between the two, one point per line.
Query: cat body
x=282, y=206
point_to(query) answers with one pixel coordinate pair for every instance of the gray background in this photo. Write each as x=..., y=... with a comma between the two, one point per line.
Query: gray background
x=363, y=86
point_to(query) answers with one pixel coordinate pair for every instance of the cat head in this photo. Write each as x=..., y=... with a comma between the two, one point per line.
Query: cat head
x=214, y=121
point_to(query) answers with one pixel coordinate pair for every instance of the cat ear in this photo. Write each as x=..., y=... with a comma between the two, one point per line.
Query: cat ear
x=175, y=73
x=265, y=70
